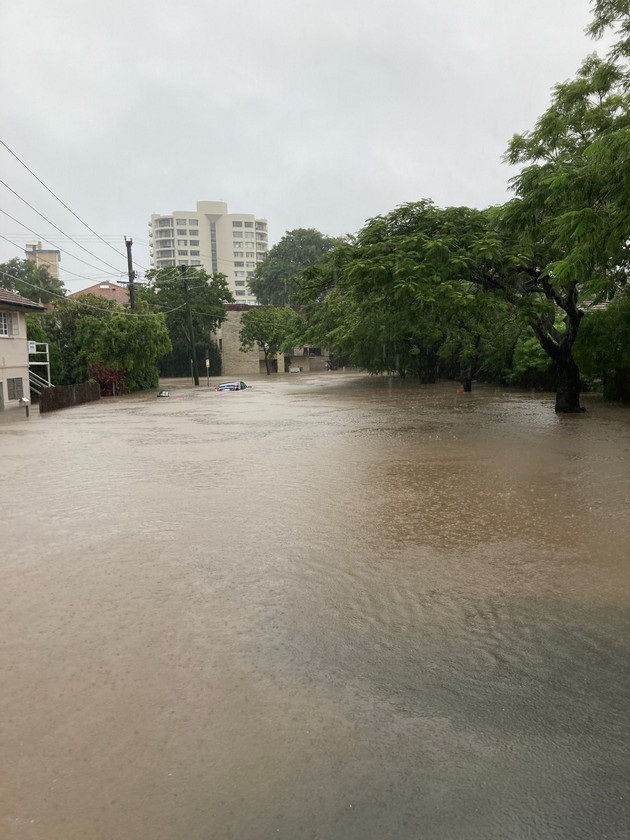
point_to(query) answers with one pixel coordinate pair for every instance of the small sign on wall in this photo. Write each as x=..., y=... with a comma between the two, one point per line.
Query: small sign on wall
x=32, y=347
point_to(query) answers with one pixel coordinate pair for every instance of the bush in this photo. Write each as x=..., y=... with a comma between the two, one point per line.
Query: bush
x=602, y=349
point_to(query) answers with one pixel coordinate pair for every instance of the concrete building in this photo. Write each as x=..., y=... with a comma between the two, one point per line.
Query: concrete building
x=238, y=363
x=14, y=373
x=44, y=258
x=106, y=290
x=229, y=243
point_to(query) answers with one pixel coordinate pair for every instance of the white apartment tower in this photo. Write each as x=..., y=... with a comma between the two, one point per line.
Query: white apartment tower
x=210, y=237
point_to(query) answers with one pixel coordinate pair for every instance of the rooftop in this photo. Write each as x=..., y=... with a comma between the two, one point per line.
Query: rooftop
x=12, y=299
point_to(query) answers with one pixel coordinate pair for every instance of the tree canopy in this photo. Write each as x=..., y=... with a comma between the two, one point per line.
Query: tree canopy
x=276, y=278
x=31, y=281
x=166, y=293
x=128, y=342
x=96, y=337
x=422, y=282
x=270, y=328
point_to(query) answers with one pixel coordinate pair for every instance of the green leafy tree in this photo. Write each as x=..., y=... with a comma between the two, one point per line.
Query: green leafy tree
x=32, y=282
x=571, y=215
x=124, y=341
x=400, y=290
x=60, y=324
x=404, y=294
x=166, y=293
x=613, y=15
x=275, y=280
x=271, y=329
x=92, y=333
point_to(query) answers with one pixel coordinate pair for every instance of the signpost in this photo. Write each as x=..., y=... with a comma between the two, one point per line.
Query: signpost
x=207, y=368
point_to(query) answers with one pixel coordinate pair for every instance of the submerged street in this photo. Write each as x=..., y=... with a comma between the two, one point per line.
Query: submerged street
x=331, y=606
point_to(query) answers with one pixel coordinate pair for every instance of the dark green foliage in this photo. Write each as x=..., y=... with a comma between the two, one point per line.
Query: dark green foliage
x=614, y=15
x=91, y=331
x=32, y=282
x=405, y=294
x=177, y=362
x=270, y=328
x=603, y=348
x=571, y=216
x=127, y=342
x=36, y=332
x=531, y=366
x=208, y=294
x=60, y=324
x=276, y=278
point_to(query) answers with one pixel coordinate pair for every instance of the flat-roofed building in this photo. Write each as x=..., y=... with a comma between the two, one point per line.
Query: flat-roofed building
x=44, y=258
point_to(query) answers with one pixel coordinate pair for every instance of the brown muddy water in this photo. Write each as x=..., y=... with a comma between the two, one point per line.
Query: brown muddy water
x=333, y=607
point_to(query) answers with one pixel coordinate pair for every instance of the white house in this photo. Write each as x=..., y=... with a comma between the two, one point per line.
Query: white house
x=14, y=347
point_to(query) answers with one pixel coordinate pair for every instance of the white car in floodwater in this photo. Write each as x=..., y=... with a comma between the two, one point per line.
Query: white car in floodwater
x=231, y=386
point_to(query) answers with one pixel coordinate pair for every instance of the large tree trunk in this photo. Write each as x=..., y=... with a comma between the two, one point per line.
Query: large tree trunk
x=469, y=369
x=568, y=387
x=466, y=375
x=559, y=346
x=267, y=364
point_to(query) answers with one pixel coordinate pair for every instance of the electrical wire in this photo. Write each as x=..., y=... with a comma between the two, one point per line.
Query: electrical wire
x=117, y=272
x=46, y=219
x=67, y=270
x=91, y=305
x=83, y=277
x=63, y=203
x=100, y=309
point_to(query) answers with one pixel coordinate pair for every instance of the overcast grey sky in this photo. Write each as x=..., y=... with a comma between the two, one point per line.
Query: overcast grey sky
x=312, y=114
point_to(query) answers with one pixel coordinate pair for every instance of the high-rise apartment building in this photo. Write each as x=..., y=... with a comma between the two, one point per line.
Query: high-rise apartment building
x=229, y=243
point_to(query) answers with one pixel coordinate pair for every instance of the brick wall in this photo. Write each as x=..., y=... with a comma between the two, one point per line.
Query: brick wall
x=234, y=362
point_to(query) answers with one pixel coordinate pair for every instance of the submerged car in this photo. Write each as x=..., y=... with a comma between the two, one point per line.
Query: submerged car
x=231, y=386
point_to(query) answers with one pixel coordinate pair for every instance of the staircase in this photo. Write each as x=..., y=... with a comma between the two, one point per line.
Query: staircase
x=37, y=383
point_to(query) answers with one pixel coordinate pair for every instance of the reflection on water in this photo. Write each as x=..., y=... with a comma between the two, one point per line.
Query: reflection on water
x=332, y=607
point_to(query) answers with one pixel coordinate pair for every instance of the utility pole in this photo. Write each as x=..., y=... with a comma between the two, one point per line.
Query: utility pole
x=193, y=352
x=132, y=275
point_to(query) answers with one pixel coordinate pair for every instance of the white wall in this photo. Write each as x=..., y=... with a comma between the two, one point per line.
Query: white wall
x=14, y=357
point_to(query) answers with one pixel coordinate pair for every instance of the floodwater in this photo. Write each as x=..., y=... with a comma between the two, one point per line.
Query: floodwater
x=326, y=607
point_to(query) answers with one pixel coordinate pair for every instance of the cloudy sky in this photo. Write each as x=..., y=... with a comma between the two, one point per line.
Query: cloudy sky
x=311, y=114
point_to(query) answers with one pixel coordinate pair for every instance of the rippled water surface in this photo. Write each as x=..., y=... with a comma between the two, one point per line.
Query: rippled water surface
x=333, y=607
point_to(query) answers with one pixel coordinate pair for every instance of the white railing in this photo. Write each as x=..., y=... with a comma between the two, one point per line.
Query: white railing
x=37, y=383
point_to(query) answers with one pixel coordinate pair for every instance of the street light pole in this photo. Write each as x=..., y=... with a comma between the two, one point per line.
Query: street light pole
x=191, y=330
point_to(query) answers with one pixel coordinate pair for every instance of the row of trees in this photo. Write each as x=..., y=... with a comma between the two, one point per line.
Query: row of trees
x=90, y=338
x=94, y=338
x=426, y=286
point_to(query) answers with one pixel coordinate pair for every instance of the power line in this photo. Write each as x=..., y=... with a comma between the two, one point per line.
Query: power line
x=63, y=203
x=74, y=256
x=91, y=305
x=83, y=277
x=46, y=219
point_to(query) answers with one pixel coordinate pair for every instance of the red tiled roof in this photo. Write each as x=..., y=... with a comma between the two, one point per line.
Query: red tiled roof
x=106, y=290
x=12, y=299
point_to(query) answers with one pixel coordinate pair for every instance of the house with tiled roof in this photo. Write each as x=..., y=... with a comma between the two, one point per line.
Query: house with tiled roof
x=14, y=376
x=107, y=291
